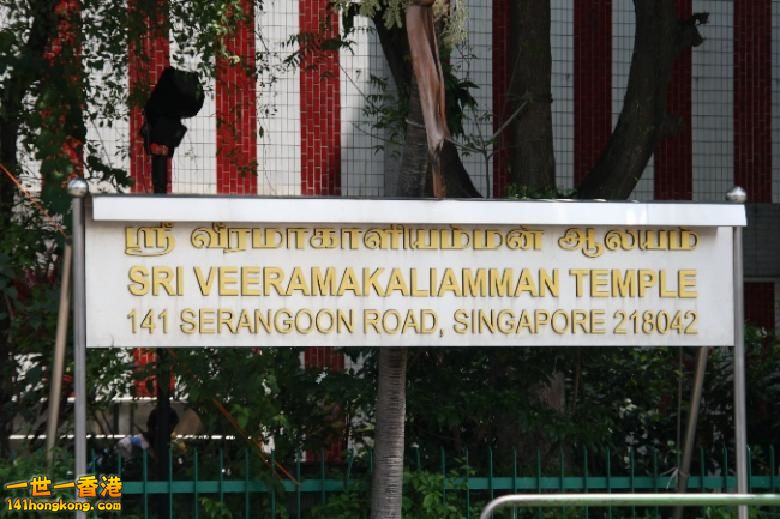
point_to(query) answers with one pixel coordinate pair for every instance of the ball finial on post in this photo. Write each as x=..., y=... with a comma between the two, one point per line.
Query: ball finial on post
x=737, y=195
x=78, y=188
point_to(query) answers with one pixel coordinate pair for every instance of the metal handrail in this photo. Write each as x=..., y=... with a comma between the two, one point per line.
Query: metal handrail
x=555, y=500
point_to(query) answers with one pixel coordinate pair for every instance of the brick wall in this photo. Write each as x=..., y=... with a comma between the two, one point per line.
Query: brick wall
x=673, y=160
x=148, y=55
x=320, y=103
x=236, y=103
x=592, y=82
x=753, y=98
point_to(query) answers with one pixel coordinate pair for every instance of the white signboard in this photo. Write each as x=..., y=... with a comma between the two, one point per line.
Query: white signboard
x=344, y=273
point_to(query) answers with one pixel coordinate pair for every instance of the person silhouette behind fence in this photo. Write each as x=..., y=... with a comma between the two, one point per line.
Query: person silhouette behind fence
x=132, y=447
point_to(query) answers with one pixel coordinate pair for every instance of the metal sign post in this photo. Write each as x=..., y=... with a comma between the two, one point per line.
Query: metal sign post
x=737, y=195
x=238, y=271
x=78, y=189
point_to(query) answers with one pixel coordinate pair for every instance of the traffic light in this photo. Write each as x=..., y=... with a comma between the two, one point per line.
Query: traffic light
x=177, y=95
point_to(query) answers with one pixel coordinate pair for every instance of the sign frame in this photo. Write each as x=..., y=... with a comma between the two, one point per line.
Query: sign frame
x=198, y=313
x=325, y=210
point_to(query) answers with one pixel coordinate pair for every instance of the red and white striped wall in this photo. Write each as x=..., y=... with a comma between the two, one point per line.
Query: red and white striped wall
x=304, y=130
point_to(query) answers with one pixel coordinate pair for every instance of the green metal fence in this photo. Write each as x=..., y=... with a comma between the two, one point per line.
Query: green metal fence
x=252, y=489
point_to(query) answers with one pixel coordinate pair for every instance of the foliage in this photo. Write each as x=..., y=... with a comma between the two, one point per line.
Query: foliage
x=424, y=498
x=519, y=192
x=29, y=289
x=62, y=70
x=214, y=509
x=270, y=396
x=22, y=468
x=762, y=365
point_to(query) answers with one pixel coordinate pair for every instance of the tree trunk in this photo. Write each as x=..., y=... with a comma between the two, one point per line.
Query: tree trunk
x=531, y=159
x=660, y=37
x=458, y=183
x=429, y=76
x=414, y=154
x=387, y=479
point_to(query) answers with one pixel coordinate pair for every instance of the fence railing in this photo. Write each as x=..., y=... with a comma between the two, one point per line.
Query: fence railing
x=251, y=489
x=633, y=500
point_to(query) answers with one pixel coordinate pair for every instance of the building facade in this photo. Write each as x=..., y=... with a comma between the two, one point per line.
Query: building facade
x=307, y=130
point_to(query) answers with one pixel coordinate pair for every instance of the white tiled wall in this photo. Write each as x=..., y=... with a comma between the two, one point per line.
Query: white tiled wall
x=362, y=163
x=278, y=103
x=712, y=103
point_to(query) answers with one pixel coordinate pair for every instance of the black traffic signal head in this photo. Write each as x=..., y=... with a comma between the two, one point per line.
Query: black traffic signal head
x=177, y=94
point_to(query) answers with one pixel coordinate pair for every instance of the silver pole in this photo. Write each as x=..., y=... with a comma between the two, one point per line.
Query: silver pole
x=602, y=500
x=55, y=381
x=737, y=195
x=78, y=189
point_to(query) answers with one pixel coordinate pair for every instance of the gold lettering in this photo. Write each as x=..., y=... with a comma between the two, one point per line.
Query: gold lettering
x=162, y=279
x=663, y=291
x=204, y=284
x=526, y=284
x=548, y=283
x=541, y=318
x=371, y=281
x=397, y=283
x=225, y=320
x=525, y=323
x=323, y=238
x=207, y=320
x=449, y=283
x=582, y=239
x=647, y=279
x=296, y=237
x=267, y=238
x=371, y=319
x=323, y=284
x=599, y=281
x=625, y=285
x=322, y=328
x=555, y=322
x=350, y=238
x=686, y=283
x=461, y=318
x=283, y=321
x=579, y=318
x=454, y=238
x=428, y=321
x=272, y=278
x=416, y=292
x=349, y=282
x=299, y=327
x=297, y=283
x=345, y=321
x=139, y=275
x=149, y=241
x=188, y=323
x=250, y=281
x=487, y=239
x=578, y=274
x=263, y=320
x=597, y=322
x=244, y=322
x=228, y=281
x=500, y=286
x=475, y=283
